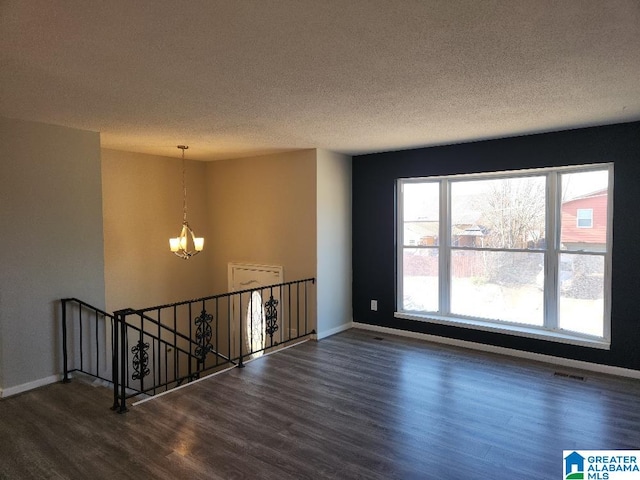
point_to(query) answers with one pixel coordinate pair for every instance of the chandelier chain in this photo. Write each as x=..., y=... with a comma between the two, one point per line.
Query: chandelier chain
x=184, y=185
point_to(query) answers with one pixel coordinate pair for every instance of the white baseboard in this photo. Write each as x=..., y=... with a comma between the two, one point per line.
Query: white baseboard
x=538, y=357
x=7, y=392
x=333, y=331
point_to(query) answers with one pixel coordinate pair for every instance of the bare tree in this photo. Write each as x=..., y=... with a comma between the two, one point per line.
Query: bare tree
x=513, y=216
x=514, y=212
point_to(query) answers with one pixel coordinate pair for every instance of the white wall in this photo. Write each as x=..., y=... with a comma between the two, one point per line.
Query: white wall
x=142, y=209
x=52, y=242
x=334, y=242
x=263, y=210
x=291, y=209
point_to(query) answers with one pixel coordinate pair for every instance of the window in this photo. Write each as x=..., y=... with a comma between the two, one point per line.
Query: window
x=255, y=325
x=517, y=252
x=584, y=218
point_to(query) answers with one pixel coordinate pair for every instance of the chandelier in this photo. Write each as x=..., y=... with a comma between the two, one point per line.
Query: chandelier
x=181, y=244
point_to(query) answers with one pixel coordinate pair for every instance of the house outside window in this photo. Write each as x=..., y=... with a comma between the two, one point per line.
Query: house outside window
x=509, y=252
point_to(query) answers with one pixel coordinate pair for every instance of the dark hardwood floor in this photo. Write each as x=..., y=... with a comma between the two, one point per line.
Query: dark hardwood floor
x=350, y=406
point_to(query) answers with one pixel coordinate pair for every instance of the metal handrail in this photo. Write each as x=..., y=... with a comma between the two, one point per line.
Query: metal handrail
x=223, y=295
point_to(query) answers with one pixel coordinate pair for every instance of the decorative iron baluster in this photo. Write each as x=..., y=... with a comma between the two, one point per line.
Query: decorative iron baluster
x=204, y=334
x=140, y=360
x=271, y=308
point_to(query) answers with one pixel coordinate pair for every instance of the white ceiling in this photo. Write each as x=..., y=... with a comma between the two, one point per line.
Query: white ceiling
x=245, y=77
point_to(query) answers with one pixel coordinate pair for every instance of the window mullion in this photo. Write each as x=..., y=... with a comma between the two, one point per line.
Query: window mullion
x=444, y=250
x=551, y=258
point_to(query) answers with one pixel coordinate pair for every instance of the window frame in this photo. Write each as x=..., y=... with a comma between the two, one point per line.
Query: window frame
x=552, y=252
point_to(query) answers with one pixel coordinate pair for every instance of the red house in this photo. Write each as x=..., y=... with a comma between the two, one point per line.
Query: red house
x=584, y=222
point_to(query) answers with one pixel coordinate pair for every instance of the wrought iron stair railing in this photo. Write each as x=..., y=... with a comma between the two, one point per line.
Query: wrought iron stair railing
x=93, y=334
x=155, y=349
x=86, y=339
x=168, y=362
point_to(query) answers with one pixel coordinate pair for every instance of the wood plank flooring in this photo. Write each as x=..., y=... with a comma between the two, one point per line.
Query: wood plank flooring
x=350, y=406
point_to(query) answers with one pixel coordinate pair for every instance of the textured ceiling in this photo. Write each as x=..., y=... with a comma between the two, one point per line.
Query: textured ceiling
x=244, y=77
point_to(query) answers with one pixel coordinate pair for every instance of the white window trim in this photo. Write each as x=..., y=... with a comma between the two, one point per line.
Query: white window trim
x=560, y=336
x=550, y=330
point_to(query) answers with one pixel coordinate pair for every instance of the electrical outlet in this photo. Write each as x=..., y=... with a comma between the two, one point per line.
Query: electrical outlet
x=374, y=305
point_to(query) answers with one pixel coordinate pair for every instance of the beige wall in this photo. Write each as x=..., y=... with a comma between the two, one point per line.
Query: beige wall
x=52, y=243
x=263, y=211
x=60, y=192
x=142, y=209
x=334, y=242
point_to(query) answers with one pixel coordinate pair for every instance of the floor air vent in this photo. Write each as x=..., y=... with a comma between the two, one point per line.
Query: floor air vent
x=569, y=375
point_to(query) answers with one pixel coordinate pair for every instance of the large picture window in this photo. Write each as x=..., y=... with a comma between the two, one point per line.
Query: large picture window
x=509, y=251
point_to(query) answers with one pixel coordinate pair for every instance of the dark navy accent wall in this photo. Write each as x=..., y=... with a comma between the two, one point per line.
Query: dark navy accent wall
x=374, y=223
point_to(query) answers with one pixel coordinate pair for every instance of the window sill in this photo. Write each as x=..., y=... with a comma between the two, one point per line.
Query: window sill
x=509, y=329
